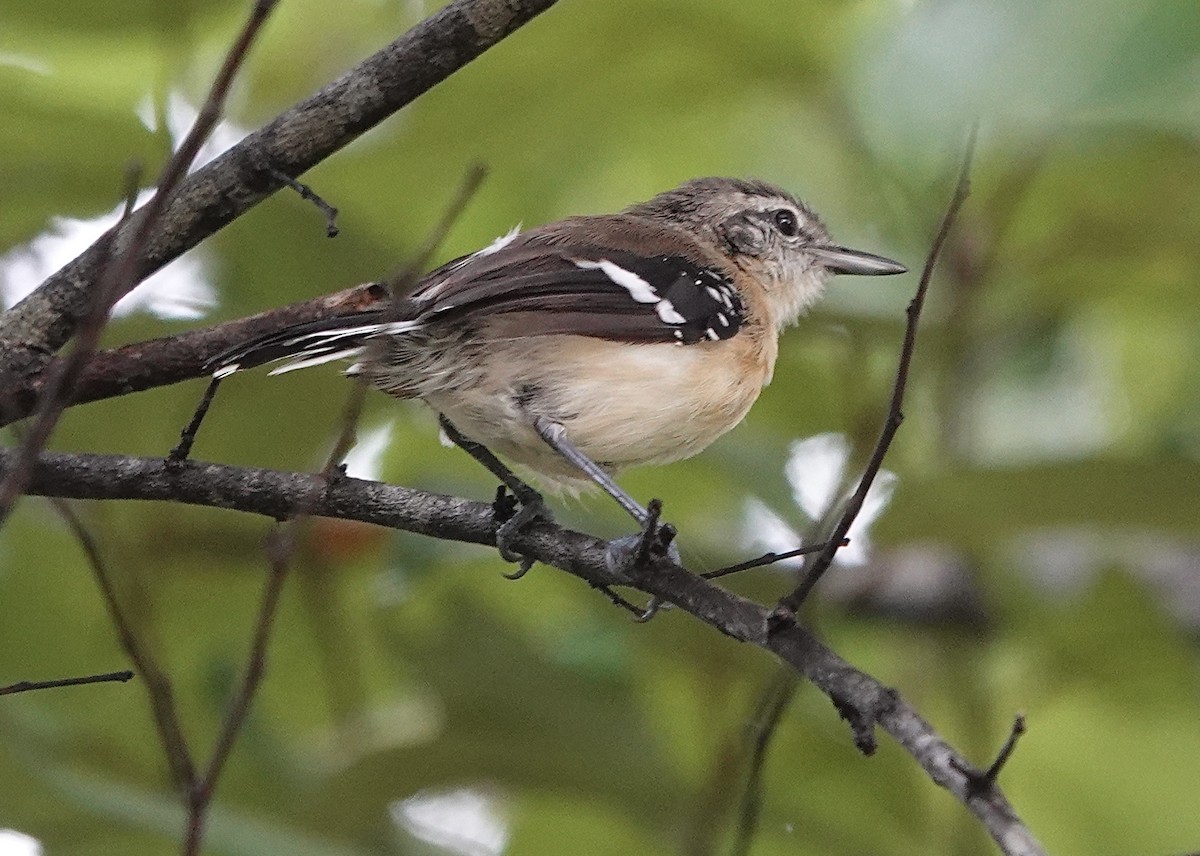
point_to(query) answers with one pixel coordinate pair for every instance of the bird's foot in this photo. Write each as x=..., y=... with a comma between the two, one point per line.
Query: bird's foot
x=513, y=512
x=632, y=554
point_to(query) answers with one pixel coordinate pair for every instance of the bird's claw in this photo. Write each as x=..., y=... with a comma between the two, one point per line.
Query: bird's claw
x=656, y=541
x=633, y=551
x=515, y=513
x=653, y=607
x=524, y=563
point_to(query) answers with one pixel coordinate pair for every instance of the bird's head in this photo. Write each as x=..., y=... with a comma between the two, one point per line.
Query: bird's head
x=769, y=233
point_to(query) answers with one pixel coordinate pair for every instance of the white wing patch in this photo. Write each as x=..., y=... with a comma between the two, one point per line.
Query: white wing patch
x=326, y=337
x=638, y=288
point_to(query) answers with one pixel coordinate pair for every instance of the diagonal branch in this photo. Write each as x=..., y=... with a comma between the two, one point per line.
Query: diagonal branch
x=281, y=494
x=785, y=610
x=170, y=359
x=293, y=142
x=158, y=685
x=118, y=274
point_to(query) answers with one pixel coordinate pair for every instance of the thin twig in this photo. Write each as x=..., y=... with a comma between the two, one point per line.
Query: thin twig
x=119, y=274
x=187, y=437
x=766, y=559
x=27, y=686
x=158, y=684
x=772, y=704
x=404, y=279
x=307, y=193
x=979, y=784
x=786, y=609
x=281, y=546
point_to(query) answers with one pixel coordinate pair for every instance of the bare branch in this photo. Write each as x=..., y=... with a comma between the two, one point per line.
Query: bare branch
x=281, y=494
x=767, y=559
x=406, y=278
x=980, y=783
x=772, y=705
x=280, y=547
x=158, y=684
x=27, y=686
x=292, y=143
x=308, y=194
x=785, y=610
x=118, y=275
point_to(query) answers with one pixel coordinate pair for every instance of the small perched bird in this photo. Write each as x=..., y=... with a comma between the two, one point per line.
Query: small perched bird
x=596, y=343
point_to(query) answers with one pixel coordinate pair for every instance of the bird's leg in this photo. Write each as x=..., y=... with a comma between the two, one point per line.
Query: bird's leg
x=187, y=437
x=654, y=537
x=555, y=436
x=532, y=506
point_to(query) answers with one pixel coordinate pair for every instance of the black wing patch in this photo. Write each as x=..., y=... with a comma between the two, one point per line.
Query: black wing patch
x=588, y=291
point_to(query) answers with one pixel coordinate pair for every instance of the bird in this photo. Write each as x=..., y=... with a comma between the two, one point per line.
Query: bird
x=596, y=343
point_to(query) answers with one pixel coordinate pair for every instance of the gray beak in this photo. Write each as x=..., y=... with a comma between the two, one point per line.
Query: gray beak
x=842, y=260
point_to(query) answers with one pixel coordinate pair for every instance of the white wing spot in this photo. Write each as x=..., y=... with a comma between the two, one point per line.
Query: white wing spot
x=638, y=288
x=712, y=292
x=721, y=317
x=666, y=311
x=712, y=334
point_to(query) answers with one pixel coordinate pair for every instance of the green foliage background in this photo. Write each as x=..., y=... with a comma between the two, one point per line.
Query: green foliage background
x=1052, y=446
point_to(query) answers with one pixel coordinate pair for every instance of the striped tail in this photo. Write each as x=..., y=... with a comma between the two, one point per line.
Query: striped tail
x=309, y=344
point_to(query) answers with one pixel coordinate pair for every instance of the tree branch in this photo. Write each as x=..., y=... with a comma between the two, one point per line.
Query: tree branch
x=170, y=359
x=858, y=696
x=785, y=610
x=293, y=142
x=117, y=276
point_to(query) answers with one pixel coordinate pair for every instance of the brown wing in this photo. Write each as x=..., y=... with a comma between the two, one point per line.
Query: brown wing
x=550, y=282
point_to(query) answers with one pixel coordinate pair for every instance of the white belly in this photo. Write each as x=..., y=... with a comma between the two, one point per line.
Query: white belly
x=620, y=404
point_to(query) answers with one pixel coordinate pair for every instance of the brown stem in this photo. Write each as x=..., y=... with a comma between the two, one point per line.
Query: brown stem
x=785, y=610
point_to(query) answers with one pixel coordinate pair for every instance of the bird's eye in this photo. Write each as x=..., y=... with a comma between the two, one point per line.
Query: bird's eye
x=785, y=222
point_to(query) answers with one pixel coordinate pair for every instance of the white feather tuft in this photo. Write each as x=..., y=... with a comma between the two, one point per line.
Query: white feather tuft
x=319, y=359
x=500, y=243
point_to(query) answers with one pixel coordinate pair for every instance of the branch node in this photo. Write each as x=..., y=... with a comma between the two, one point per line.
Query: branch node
x=779, y=619
x=863, y=718
x=981, y=783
